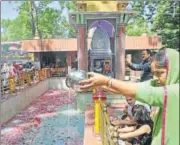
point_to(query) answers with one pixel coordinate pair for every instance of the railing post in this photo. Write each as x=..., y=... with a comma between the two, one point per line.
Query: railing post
x=115, y=140
x=104, y=124
x=99, y=98
x=45, y=72
x=36, y=76
x=12, y=84
x=101, y=124
x=49, y=73
x=28, y=78
x=40, y=75
x=22, y=79
x=33, y=76
x=97, y=119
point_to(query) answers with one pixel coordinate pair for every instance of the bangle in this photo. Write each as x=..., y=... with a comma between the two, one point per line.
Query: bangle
x=110, y=83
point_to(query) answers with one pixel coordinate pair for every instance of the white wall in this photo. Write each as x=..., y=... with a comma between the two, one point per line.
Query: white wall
x=57, y=83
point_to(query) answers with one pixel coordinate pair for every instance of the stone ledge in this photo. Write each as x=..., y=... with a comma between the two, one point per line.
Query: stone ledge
x=20, y=100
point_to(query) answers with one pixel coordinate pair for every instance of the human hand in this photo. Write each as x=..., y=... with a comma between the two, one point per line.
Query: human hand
x=114, y=134
x=115, y=122
x=125, y=111
x=103, y=88
x=94, y=81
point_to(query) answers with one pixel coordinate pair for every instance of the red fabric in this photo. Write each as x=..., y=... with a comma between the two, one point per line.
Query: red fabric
x=164, y=118
x=14, y=70
x=17, y=66
x=165, y=105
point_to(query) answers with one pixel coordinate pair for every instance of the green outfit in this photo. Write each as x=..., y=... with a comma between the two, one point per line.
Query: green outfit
x=148, y=93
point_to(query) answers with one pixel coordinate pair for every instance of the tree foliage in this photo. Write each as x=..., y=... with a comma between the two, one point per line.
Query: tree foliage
x=166, y=23
x=140, y=23
x=16, y=29
x=49, y=21
x=156, y=17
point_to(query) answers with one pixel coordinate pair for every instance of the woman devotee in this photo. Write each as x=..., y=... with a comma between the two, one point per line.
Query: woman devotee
x=162, y=91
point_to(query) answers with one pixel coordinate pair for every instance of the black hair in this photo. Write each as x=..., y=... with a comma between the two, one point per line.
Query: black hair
x=141, y=115
x=124, y=117
x=160, y=58
x=148, y=51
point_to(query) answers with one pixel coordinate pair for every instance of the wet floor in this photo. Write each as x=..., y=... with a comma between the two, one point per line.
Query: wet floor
x=50, y=120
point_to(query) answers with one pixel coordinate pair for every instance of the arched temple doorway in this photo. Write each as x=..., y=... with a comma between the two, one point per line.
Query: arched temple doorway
x=100, y=47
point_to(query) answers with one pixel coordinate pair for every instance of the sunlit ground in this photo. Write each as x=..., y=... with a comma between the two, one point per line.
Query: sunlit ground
x=50, y=120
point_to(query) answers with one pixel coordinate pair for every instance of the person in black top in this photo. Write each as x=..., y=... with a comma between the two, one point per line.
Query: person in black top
x=144, y=66
x=141, y=133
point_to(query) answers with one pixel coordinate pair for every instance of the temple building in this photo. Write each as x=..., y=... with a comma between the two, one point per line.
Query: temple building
x=66, y=50
x=101, y=43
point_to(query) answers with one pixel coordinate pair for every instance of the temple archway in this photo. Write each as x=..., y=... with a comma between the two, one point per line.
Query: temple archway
x=100, y=47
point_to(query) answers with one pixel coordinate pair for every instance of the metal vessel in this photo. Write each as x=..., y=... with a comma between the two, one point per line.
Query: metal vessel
x=73, y=78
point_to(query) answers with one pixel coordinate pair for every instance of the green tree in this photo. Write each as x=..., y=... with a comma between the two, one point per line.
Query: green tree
x=64, y=26
x=156, y=17
x=140, y=23
x=137, y=27
x=33, y=17
x=47, y=22
x=166, y=23
x=17, y=29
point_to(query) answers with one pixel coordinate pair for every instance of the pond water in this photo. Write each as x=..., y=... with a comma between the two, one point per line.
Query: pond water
x=50, y=120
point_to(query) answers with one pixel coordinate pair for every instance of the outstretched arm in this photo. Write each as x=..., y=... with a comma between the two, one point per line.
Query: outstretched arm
x=105, y=88
x=136, y=67
x=123, y=88
x=98, y=80
x=140, y=67
x=143, y=129
x=143, y=92
x=126, y=129
x=123, y=122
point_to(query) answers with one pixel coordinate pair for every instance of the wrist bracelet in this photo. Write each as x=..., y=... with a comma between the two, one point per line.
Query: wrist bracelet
x=110, y=83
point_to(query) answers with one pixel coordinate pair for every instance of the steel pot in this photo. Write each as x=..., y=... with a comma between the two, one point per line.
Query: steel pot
x=73, y=78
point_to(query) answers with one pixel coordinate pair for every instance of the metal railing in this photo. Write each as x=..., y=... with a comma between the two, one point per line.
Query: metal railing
x=16, y=83
x=105, y=125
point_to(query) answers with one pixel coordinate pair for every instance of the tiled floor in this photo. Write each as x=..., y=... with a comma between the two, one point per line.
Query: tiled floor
x=89, y=137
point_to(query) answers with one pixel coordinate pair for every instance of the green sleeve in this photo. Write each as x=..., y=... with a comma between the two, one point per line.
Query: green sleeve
x=148, y=94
